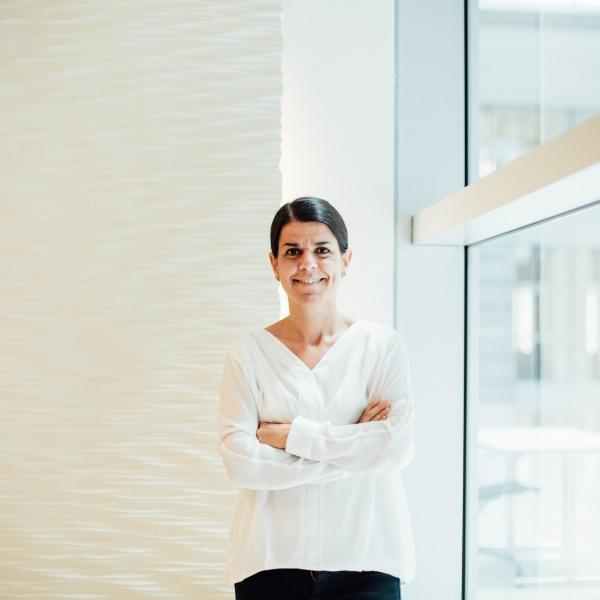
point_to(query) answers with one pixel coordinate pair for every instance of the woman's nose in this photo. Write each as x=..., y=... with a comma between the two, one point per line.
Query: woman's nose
x=308, y=262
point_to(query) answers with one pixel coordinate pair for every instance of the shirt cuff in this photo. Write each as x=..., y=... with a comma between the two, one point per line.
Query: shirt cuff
x=300, y=437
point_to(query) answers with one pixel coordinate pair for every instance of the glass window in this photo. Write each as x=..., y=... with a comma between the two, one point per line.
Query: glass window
x=536, y=74
x=534, y=404
x=533, y=451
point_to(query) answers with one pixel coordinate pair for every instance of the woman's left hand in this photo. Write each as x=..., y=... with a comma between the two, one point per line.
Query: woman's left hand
x=273, y=434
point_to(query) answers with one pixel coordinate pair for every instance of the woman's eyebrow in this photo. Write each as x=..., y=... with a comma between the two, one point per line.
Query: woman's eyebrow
x=316, y=244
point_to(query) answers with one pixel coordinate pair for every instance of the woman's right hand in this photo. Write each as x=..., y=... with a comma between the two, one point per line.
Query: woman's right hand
x=376, y=410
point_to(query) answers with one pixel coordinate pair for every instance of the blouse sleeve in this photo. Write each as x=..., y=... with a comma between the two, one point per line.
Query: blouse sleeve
x=248, y=462
x=375, y=444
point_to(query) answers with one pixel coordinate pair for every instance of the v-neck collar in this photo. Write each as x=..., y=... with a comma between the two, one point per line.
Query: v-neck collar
x=291, y=353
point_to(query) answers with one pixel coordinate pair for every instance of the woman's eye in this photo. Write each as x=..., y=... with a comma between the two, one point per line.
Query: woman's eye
x=292, y=251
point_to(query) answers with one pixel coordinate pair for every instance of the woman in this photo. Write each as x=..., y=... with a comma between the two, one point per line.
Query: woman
x=316, y=423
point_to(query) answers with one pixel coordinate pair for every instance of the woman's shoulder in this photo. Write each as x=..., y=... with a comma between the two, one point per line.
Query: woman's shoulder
x=380, y=332
x=241, y=344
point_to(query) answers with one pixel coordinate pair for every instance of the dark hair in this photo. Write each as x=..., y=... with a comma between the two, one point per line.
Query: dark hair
x=309, y=208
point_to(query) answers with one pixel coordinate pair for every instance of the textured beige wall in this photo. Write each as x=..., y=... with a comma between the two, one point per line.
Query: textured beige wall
x=139, y=149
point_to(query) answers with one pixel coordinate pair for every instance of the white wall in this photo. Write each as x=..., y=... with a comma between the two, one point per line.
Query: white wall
x=429, y=294
x=339, y=119
x=338, y=132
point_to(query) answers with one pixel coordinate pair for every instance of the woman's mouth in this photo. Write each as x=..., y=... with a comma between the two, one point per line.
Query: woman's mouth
x=309, y=282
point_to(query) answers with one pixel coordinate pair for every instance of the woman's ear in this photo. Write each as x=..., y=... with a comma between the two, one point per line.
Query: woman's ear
x=347, y=258
x=273, y=262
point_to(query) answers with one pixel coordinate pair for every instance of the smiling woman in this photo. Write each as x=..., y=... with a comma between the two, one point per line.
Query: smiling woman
x=314, y=251
x=316, y=422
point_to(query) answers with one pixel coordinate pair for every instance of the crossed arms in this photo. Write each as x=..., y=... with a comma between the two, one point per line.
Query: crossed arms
x=315, y=452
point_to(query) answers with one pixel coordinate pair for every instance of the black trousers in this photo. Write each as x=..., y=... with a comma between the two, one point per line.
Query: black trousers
x=301, y=584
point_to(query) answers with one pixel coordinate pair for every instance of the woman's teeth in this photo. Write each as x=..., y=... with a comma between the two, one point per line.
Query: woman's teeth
x=309, y=282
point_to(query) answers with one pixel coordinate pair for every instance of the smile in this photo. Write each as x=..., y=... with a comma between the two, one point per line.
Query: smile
x=310, y=281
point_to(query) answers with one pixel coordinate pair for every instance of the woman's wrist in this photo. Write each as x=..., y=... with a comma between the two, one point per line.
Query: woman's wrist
x=273, y=434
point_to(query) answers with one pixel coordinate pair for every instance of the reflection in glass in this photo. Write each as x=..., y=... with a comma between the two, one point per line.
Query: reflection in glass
x=534, y=391
x=536, y=74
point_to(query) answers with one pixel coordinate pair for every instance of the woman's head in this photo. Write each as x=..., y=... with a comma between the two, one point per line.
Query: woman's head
x=307, y=209
x=309, y=248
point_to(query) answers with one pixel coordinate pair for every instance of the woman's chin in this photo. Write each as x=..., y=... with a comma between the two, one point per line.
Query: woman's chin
x=312, y=295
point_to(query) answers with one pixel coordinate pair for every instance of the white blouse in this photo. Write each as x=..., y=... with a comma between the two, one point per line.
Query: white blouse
x=334, y=499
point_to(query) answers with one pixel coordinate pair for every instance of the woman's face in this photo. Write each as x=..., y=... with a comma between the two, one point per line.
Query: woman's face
x=310, y=263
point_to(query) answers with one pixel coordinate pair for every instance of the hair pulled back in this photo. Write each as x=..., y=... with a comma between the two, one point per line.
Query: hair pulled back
x=309, y=208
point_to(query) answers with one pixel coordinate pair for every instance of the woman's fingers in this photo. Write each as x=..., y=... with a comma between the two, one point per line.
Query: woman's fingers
x=377, y=407
x=382, y=414
x=365, y=415
x=376, y=410
x=368, y=413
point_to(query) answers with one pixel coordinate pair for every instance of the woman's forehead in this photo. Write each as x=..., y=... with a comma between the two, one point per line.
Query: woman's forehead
x=306, y=232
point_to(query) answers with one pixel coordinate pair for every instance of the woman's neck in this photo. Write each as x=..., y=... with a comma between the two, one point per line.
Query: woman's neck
x=313, y=329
